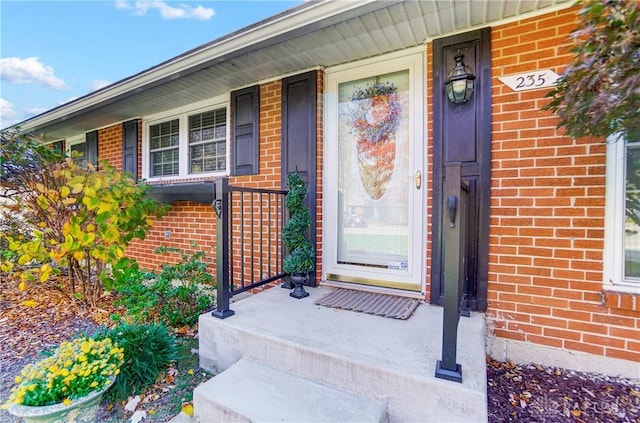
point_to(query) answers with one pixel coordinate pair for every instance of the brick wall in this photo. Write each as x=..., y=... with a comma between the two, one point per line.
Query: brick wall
x=429, y=169
x=547, y=210
x=265, y=231
x=319, y=170
x=110, y=145
x=270, y=140
x=185, y=221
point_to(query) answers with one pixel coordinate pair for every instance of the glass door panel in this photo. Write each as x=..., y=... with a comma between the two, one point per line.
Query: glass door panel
x=374, y=171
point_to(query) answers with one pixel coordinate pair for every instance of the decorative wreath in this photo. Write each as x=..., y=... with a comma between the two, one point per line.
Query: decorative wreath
x=375, y=113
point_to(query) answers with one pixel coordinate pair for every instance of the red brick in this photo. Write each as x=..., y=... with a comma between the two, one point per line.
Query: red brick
x=562, y=334
x=625, y=355
x=588, y=348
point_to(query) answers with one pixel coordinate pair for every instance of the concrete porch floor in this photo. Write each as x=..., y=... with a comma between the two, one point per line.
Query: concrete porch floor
x=388, y=360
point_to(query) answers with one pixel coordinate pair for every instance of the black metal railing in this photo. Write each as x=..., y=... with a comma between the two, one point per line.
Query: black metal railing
x=249, y=247
x=456, y=193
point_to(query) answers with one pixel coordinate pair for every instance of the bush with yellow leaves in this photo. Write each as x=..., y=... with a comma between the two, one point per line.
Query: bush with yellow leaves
x=81, y=218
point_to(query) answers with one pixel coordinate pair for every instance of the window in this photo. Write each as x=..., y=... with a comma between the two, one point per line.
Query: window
x=186, y=144
x=77, y=148
x=79, y=152
x=164, y=148
x=207, y=141
x=622, y=220
x=57, y=146
x=84, y=149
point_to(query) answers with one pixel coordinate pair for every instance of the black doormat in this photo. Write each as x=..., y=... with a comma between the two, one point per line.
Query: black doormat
x=371, y=303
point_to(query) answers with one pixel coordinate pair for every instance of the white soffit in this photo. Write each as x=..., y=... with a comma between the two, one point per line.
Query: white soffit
x=325, y=33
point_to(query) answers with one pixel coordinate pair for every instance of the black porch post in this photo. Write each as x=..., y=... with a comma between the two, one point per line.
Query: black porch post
x=221, y=206
x=447, y=368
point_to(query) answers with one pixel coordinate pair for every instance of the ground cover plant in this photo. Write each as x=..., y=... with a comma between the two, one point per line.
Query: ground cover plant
x=175, y=296
x=148, y=350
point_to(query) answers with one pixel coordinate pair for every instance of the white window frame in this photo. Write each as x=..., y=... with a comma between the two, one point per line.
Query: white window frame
x=614, y=253
x=79, y=139
x=182, y=114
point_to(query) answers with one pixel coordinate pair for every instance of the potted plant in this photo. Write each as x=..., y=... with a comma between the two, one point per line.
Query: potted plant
x=68, y=385
x=300, y=260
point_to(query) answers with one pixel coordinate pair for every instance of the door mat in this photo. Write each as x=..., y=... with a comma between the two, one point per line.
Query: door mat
x=369, y=302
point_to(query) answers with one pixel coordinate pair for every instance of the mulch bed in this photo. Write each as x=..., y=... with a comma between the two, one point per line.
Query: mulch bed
x=534, y=393
x=33, y=321
x=37, y=320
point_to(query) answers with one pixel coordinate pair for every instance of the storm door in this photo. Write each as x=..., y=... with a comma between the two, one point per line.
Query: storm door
x=374, y=169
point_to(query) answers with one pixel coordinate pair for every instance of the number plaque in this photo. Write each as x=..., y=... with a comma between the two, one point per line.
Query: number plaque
x=530, y=80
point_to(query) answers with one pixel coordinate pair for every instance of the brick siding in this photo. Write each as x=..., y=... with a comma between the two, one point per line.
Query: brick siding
x=547, y=210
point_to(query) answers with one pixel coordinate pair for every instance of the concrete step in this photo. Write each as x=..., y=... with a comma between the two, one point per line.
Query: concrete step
x=252, y=392
x=386, y=360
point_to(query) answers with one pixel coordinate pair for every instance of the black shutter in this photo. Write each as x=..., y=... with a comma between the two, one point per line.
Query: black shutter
x=130, y=148
x=245, y=131
x=299, y=115
x=91, y=139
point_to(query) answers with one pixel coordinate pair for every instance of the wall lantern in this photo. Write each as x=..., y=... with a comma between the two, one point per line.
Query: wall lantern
x=459, y=83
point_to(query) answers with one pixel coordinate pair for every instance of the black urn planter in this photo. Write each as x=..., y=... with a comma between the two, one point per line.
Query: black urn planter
x=299, y=279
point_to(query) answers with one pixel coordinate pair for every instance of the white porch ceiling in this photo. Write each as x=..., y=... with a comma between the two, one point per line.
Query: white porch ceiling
x=314, y=34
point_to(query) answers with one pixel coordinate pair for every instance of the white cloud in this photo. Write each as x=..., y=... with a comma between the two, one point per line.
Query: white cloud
x=99, y=83
x=8, y=116
x=181, y=11
x=36, y=111
x=29, y=70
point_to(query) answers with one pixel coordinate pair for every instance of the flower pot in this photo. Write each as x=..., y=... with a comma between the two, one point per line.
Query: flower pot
x=298, y=279
x=81, y=410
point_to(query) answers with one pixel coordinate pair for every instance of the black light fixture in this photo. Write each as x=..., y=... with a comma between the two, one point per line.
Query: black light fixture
x=459, y=83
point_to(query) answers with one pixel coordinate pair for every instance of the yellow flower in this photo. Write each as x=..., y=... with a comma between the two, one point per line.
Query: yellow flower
x=75, y=368
x=66, y=401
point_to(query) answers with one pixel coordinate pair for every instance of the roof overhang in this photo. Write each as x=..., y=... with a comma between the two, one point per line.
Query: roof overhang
x=314, y=34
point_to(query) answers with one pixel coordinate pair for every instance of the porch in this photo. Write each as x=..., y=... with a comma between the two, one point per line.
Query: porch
x=281, y=359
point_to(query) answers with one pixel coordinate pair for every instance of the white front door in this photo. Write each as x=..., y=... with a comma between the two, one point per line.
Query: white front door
x=374, y=167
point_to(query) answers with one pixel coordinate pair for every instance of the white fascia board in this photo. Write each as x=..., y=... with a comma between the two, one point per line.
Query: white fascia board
x=252, y=35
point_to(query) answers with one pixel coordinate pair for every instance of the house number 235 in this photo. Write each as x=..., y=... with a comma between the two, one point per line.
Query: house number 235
x=530, y=80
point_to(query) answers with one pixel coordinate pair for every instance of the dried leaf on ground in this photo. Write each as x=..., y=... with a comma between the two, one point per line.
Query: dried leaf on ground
x=132, y=404
x=138, y=416
x=548, y=394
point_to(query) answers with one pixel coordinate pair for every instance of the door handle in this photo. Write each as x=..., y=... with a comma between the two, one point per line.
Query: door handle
x=418, y=178
x=452, y=204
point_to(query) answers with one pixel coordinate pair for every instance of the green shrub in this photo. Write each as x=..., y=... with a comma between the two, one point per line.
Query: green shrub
x=148, y=350
x=82, y=218
x=176, y=296
x=301, y=251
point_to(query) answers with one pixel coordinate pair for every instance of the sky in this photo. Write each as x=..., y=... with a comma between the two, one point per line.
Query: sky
x=52, y=52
